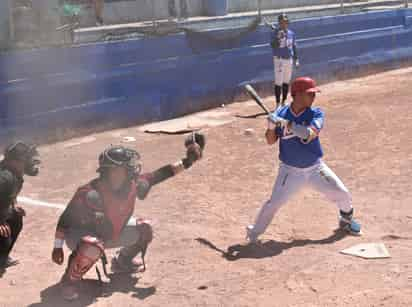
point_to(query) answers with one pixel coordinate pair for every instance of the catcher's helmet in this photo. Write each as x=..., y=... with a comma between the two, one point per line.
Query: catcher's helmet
x=26, y=153
x=283, y=17
x=115, y=156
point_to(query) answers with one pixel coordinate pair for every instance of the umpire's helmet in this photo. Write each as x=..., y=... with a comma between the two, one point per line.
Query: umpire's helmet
x=27, y=153
x=115, y=156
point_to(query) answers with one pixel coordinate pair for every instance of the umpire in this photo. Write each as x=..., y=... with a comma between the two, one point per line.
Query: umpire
x=19, y=159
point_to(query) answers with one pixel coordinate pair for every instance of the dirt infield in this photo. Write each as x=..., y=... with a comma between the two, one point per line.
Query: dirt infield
x=201, y=213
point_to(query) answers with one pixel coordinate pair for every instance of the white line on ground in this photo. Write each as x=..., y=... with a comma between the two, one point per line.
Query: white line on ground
x=38, y=203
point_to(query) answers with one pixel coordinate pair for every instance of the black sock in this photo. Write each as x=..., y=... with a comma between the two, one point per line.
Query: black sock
x=172, y=8
x=285, y=91
x=278, y=92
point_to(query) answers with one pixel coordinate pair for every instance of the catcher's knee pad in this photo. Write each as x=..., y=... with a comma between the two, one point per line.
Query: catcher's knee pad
x=87, y=253
x=145, y=232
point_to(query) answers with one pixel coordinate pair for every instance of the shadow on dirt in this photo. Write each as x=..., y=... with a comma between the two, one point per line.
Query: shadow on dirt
x=267, y=249
x=92, y=290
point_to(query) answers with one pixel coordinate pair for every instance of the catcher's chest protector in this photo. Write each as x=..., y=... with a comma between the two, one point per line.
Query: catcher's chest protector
x=118, y=209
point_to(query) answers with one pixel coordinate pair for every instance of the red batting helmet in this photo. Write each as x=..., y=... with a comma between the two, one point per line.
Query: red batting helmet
x=304, y=85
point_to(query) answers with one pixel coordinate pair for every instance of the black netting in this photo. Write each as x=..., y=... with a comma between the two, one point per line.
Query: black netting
x=222, y=37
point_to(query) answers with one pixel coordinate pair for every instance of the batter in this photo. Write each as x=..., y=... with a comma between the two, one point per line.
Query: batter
x=297, y=127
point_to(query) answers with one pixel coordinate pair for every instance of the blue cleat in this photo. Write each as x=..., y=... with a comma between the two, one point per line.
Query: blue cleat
x=348, y=224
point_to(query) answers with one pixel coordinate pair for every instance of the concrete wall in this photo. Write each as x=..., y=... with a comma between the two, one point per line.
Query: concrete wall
x=4, y=23
x=250, y=5
x=137, y=81
x=139, y=10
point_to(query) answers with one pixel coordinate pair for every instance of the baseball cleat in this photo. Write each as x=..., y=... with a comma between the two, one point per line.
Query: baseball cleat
x=8, y=262
x=126, y=266
x=69, y=291
x=352, y=226
x=251, y=236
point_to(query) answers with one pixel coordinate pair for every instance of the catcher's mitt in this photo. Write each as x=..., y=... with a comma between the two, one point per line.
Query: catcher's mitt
x=195, y=144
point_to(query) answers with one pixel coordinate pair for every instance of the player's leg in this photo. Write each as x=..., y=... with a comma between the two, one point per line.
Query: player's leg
x=287, y=183
x=6, y=244
x=98, y=7
x=277, y=64
x=324, y=180
x=287, y=77
x=134, y=239
x=172, y=9
x=183, y=9
x=87, y=252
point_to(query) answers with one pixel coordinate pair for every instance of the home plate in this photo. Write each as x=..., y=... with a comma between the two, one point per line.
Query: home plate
x=368, y=251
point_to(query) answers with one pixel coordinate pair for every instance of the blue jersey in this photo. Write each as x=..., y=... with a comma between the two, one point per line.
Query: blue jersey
x=284, y=42
x=294, y=151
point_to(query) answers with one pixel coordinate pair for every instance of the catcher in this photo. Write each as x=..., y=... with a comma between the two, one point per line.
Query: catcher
x=19, y=159
x=99, y=216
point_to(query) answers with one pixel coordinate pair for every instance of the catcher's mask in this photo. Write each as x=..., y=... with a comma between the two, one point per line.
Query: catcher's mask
x=27, y=153
x=116, y=156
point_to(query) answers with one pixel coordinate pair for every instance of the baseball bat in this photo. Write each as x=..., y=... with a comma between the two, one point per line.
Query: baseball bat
x=251, y=91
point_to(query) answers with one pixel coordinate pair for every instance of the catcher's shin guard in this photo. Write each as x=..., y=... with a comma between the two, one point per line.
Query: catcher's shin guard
x=87, y=253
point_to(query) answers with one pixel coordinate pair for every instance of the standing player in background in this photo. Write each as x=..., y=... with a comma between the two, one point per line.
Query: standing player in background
x=183, y=9
x=297, y=127
x=100, y=215
x=283, y=43
x=71, y=6
x=19, y=159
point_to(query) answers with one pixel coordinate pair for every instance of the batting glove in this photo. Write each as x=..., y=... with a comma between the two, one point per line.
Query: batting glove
x=278, y=121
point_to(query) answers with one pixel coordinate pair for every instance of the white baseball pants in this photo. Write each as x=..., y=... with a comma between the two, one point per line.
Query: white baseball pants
x=283, y=70
x=291, y=179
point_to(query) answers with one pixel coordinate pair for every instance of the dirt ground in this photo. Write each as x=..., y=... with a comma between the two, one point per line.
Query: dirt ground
x=199, y=214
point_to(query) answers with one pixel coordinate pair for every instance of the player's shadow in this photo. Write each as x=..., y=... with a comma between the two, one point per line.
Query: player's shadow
x=92, y=290
x=266, y=249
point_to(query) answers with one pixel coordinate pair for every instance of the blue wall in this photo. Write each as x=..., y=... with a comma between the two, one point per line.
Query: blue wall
x=150, y=79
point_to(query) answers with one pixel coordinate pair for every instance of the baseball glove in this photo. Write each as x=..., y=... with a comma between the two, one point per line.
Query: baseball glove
x=195, y=144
